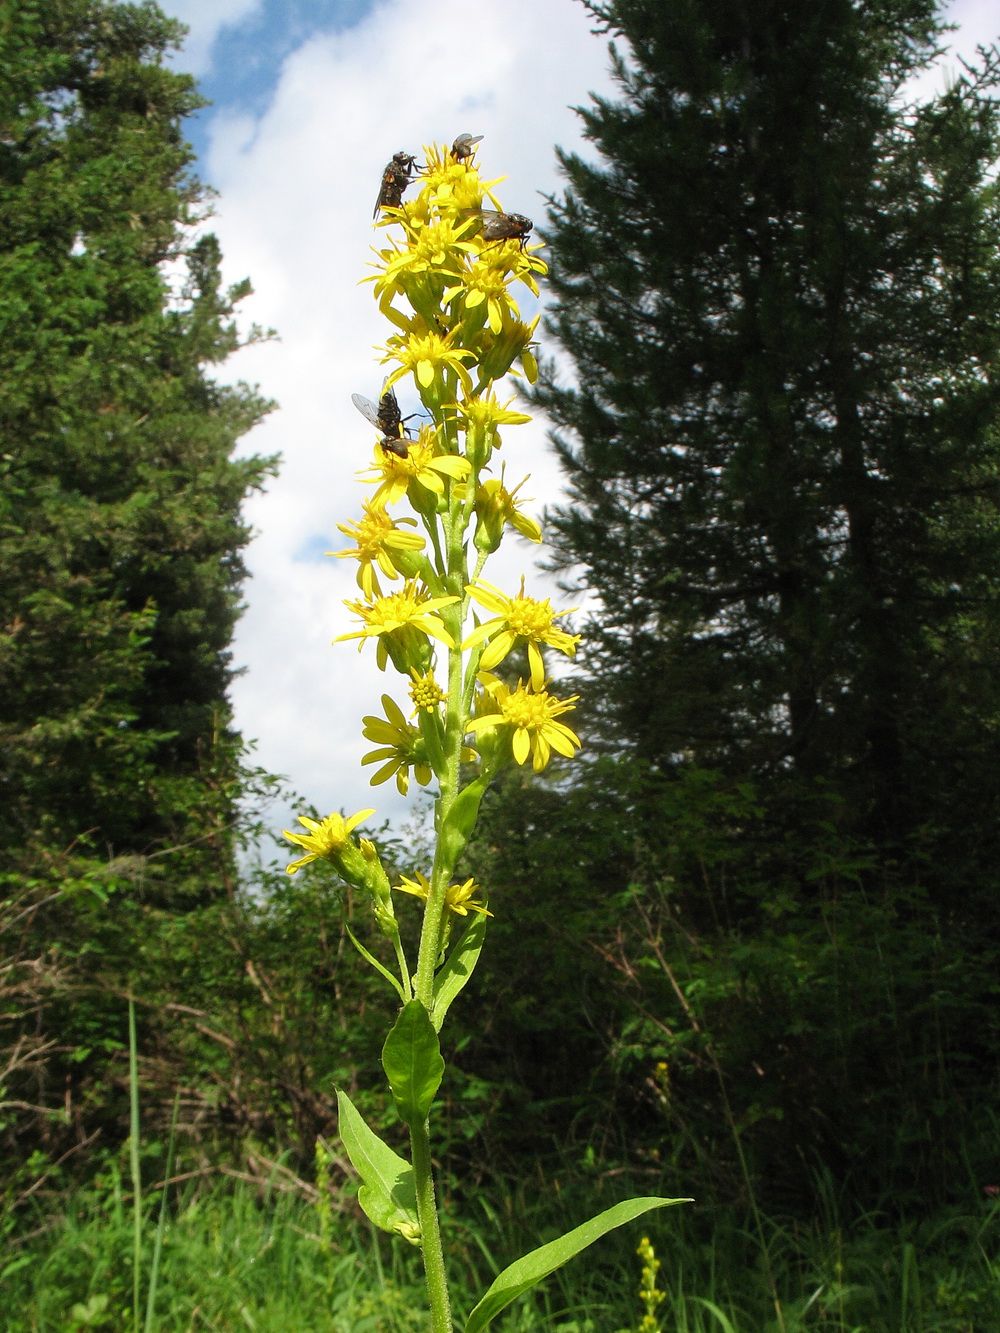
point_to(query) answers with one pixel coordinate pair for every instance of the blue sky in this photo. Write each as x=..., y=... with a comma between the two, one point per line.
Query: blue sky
x=310, y=99
x=246, y=54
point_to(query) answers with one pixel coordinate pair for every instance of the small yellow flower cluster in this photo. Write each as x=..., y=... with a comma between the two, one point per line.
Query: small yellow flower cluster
x=649, y=1294
x=444, y=280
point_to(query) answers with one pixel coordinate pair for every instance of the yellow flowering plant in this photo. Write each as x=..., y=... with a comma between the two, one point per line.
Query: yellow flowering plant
x=443, y=278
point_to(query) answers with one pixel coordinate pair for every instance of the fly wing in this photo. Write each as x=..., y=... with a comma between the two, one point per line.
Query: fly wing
x=463, y=145
x=367, y=408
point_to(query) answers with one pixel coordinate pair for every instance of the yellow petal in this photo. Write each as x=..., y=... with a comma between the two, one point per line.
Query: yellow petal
x=522, y=745
x=496, y=650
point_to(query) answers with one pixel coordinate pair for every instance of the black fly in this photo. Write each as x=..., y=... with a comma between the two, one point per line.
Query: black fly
x=464, y=146
x=395, y=178
x=385, y=417
x=506, y=226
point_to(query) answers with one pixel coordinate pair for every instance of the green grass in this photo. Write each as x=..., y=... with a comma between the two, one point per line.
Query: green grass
x=237, y=1258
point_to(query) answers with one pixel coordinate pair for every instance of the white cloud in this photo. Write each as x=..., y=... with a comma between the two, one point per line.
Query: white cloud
x=205, y=19
x=297, y=189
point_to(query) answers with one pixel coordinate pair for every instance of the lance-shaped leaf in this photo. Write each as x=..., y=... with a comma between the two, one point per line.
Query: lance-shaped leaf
x=411, y=1058
x=524, y=1273
x=456, y=829
x=458, y=968
x=387, y=1193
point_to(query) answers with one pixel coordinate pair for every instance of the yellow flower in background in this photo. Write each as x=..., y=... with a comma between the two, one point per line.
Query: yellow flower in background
x=409, y=609
x=458, y=897
x=428, y=355
x=532, y=714
x=519, y=619
x=377, y=538
x=424, y=466
x=324, y=838
x=401, y=746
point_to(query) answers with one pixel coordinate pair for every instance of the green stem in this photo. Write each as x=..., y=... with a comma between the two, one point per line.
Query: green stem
x=431, y=935
x=133, y=1153
x=430, y=1231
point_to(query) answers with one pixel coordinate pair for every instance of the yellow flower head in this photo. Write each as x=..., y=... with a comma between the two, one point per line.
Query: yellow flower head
x=519, y=619
x=488, y=412
x=450, y=184
x=458, y=897
x=532, y=714
x=485, y=284
x=438, y=246
x=399, y=621
x=428, y=356
x=377, y=538
x=488, y=281
x=326, y=838
x=496, y=507
x=401, y=746
x=424, y=468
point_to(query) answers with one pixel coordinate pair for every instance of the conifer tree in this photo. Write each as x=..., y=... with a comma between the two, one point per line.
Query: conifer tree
x=779, y=287
x=119, y=552
x=120, y=541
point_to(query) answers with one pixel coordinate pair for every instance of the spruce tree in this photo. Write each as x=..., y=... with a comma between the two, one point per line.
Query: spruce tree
x=119, y=553
x=120, y=539
x=779, y=288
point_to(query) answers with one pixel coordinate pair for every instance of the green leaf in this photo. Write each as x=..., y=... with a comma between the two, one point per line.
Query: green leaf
x=388, y=1194
x=370, y=958
x=458, y=968
x=724, y=1323
x=457, y=827
x=411, y=1058
x=525, y=1272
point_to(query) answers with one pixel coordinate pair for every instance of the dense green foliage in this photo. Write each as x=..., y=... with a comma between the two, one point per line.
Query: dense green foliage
x=773, y=917
x=120, y=537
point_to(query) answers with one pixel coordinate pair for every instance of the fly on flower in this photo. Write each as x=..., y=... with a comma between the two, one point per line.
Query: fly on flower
x=506, y=226
x=395, y=178
x=464, y=146
x=386, y=417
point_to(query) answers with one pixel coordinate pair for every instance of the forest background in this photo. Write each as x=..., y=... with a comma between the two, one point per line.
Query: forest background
x=750, y=952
